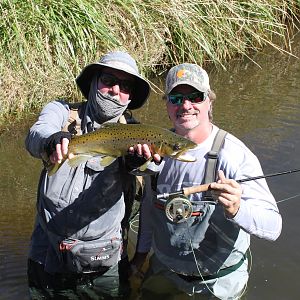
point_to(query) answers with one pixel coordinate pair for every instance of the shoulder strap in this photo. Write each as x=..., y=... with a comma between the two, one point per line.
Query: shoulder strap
x=212, y=156
x=212, y=159
x=73, y=124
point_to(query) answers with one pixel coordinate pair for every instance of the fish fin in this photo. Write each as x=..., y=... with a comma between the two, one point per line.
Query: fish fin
x=144, y=166
x=78, y=159
x=106, y=160
x=50, y=167
x=186, y=158
x=53, y=168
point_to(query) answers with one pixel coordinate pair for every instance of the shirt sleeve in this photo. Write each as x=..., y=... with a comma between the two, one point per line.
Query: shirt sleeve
x=258, y=213
x=51, y=119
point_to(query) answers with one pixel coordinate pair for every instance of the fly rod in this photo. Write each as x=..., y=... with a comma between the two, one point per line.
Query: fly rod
x=205, y=187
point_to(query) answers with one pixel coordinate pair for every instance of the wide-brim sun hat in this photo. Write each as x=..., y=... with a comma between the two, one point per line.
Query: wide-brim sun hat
x=190, y=74
x=117, y=60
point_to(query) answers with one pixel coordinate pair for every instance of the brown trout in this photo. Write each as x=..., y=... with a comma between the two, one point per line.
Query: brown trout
x=113, y=140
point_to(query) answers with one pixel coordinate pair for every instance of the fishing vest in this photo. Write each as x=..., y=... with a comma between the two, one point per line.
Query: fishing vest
x=132, y=185
x=73, y=124
x=94, y=254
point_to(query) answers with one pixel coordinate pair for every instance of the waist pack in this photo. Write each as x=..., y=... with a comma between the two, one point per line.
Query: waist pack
x=87, y=256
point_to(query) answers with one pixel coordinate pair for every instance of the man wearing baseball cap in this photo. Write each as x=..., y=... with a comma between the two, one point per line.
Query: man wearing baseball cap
x=77, y=244
x=200, y=242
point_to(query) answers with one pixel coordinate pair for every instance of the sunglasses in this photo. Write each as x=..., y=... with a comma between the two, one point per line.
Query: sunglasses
x=111, y=80
x=196, y=97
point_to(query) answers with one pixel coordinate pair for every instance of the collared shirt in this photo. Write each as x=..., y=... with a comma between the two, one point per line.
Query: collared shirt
x=216, y=241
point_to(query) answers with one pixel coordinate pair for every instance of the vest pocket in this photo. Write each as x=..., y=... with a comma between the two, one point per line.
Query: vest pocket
x=87, y=256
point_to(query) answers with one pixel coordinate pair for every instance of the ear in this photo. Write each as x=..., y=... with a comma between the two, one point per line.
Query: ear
x=210, y=103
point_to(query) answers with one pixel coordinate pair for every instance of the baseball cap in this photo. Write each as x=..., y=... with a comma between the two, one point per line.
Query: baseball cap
x=190, y=74
x=118, y=60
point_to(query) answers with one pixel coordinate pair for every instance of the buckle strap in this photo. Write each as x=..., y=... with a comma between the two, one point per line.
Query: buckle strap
x=212, y=154
x=212, y=161
x=221, y=273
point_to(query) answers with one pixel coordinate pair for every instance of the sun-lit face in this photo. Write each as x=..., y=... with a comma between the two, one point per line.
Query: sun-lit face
x=188, y=115
x=116, y=83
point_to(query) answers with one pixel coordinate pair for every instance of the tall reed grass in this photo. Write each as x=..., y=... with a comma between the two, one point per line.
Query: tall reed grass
x=45, y=43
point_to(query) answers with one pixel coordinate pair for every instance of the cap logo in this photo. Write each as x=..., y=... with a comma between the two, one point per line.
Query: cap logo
x=182, y=73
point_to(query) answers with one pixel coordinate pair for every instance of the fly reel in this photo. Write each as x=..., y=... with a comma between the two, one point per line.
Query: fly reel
x=178, y=209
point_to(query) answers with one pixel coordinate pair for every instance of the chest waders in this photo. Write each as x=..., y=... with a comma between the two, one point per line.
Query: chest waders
x=70, y=251
x=179, y=208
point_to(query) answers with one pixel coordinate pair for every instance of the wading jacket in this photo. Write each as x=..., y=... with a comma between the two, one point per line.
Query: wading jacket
x=78, y=224
x=216, y=241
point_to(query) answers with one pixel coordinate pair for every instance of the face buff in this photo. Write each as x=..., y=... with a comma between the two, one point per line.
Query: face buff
x=103, y=107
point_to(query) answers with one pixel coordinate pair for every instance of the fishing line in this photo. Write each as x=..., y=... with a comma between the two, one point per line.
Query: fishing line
x=289, y=198
x=250, y=262
x=134, y=223
x=195, y=260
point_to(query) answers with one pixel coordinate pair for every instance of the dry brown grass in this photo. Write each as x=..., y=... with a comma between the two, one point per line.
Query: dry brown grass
x=44, y=44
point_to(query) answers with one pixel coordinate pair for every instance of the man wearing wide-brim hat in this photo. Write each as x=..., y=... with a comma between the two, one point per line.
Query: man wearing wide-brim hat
x=120, y=61
x=76, y=244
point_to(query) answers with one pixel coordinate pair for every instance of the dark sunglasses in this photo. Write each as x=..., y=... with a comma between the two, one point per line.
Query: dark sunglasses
x=111, y=80
x=196, y=97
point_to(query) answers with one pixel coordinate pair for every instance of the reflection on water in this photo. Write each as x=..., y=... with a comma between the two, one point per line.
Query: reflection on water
x=18, y=177
x=260, y=105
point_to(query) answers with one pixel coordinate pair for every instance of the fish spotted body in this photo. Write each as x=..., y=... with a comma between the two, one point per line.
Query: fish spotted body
x=113, y=140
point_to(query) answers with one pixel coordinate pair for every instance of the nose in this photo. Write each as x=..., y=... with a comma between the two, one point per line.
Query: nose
x=115, y=89
x=187, y=104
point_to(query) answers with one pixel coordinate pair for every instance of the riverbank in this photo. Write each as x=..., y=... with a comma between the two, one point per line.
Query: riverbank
x=44, y=45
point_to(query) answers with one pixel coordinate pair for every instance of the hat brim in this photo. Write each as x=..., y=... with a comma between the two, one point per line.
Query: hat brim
x=187, y=82
x=138, y=97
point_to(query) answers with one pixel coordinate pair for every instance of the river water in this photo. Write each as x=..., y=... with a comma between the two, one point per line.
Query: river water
x=257, y=102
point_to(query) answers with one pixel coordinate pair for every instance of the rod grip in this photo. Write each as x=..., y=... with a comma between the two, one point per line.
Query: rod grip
x=196, y=189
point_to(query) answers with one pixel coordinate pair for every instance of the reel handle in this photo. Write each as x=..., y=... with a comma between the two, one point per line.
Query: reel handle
x=196, y=189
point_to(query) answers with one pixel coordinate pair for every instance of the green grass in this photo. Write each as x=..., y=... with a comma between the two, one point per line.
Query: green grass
x=44, y=44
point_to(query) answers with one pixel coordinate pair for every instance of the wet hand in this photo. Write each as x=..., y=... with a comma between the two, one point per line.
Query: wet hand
x=56, y=146
x=228, y=193
x=60, y=152
x=144, y=151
